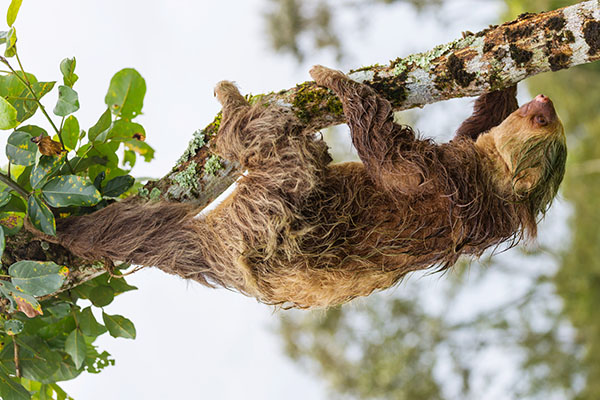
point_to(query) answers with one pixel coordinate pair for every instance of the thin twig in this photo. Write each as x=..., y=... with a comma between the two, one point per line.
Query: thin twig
x=110, y=266
x=17, y=366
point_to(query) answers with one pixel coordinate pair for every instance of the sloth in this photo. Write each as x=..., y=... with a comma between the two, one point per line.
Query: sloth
x=299, y=231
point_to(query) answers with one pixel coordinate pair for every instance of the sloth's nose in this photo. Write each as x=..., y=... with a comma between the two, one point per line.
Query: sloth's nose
x=541, y=98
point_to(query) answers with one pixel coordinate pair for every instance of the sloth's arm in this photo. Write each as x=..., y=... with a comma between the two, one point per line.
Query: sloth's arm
x=490, y=110
x=391, y=153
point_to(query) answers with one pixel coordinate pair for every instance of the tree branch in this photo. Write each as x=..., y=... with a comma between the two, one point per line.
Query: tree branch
x=494, y=58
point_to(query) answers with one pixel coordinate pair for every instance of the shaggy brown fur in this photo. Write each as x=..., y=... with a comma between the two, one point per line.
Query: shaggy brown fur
x=300, y=232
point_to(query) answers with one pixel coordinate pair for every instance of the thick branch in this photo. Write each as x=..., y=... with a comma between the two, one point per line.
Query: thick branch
x=494, y=58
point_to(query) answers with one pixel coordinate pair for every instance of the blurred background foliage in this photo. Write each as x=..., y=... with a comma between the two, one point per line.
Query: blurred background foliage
x=538, y=336
x=301, y=27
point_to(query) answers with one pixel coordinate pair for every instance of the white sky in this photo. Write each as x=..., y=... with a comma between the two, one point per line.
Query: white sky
x=193, y=342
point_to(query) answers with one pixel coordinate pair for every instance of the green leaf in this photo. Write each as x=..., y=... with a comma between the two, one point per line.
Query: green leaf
x=119, y=326
x=12, y=86
x=45, y=392
x=11, y=41
x=38, y=361
x=70, y=190
x=23, y=178
x=68, y=101
x=25, y=103
x=65, y=371
x=33, y=130
x=126, y=92
x=107, y=151
x=98, y=180
x=117, y=186
x=75, y=347
x=70, y=132
x=19, y=95
x=60, y=394
x=59, y=310
x=101, y=296
x=11, y=390
x=81, y=164
x=41, y=216
x=36, y=277
x=8, y=115
x=15, y=203
x=67, y=68
x=41, y=89
x=13, y=10
x=122, y=130
x=45, y=168
x=129, y=157
x=99, y=132
x=11, y=221
x=51, y=328
x=20, y=149
x=4, y=196
x=88, y=324
x=25, y=302
x=13, y=327
x=2, y=241
x=142, y=148
x=118, y=285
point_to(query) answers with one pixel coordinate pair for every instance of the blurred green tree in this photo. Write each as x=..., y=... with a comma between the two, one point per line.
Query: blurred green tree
x=577, y=95
x=300, y=27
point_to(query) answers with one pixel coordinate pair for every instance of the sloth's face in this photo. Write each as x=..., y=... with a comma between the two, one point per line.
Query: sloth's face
x=536, y=120
x=531, y=142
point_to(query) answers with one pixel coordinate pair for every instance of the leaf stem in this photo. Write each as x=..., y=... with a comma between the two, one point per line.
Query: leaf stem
x=22, y=69
x=13, y=185
x=17, y=367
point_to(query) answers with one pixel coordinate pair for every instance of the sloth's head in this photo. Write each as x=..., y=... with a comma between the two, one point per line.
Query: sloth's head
x=531, y=143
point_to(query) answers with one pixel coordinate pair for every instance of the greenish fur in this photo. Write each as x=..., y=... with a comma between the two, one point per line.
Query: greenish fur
x=549, y=155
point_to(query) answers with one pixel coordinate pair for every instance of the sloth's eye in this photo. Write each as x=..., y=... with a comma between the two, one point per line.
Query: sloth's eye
x=540, y=120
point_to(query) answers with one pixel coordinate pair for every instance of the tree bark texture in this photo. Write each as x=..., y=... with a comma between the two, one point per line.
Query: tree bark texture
x=494, y=58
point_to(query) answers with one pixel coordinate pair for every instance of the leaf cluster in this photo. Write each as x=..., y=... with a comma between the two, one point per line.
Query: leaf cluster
x=55, y=171
x=57, y=345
